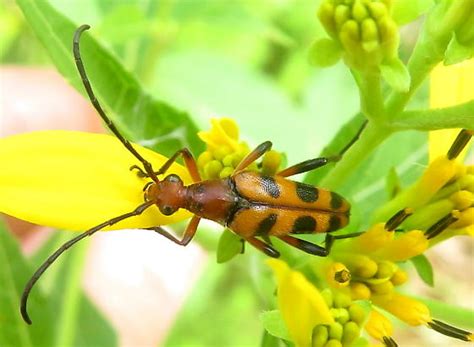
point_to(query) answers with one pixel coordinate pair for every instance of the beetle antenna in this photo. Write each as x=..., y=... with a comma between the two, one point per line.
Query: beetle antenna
x=85, y=81
x=26, y=292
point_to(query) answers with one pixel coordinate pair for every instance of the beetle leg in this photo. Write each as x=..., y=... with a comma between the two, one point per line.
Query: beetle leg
x=306, y=166
x=329, y=241
x=188, y=161
x=254, y=155
x=313, y=164
x=305, y=246
x=188, y=234
x=264, y=247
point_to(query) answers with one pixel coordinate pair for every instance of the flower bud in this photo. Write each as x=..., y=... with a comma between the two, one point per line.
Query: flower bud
x=356, y=313
x=360, y=291
x=351, y=332
x=462, y=199
x=365, y=30
x=320, y=336
x=335, y=331
x=399, y=277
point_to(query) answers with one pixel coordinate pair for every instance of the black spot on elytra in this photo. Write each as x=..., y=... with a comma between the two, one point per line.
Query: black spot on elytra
x=336, y=201
x=266, y=224
x=306, y=192
x=334, y=223
x=270, y=186
x=304, y=224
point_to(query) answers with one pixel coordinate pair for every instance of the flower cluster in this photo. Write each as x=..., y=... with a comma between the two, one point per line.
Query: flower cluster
x=224, y=152
x=364, y=29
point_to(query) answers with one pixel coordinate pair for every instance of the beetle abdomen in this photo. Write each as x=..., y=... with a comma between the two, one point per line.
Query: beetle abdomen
x=281, y=192
x=260, y=220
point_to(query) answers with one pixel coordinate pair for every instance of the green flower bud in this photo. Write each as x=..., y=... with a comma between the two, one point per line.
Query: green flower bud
x=385, y=269
x=351, y=332
x=271, y=162
x=359, y=11
x=364, y=28
x=212, y=169
x=228, y=160
x=335, y=331
x=370, y=35
x=320, y=336
x=333, y=343
x=226, y=172
x=221, y=151
x=341, y=315
x=356, y=313
x=341, y=300
x=203, y=159
x=327, y=296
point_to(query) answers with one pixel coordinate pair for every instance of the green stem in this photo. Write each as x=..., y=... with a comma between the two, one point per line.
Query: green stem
x=371, y=137
x=371, y=99
x=458, y=116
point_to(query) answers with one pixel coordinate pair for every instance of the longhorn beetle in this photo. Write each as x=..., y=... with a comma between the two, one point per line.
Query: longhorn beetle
x=252, y=205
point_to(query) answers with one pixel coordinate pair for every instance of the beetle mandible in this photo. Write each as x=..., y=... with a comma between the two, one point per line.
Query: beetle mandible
x=252, y=205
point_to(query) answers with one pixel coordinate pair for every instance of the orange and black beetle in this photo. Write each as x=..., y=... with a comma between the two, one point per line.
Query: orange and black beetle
x=252, y=205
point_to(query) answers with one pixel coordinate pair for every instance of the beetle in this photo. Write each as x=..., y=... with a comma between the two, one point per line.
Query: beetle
x=252, y=205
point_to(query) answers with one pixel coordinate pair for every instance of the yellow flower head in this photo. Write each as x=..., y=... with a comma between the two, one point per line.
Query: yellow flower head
x=224, y=151
x=75, y=180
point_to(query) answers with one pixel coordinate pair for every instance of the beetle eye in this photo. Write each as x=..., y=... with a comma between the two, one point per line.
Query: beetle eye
x=173, y=178
x=167, y=210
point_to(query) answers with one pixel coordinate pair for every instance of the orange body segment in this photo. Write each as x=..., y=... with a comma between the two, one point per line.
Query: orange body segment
x=279, y=191
x=261, y=220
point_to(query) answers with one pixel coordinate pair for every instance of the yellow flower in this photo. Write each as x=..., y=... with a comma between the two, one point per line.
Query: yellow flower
x=224, y=152
x=224, y=132
x=378, y=326
x=300, y=303
x=449, y=86
x=75, y=180
x=410, y=311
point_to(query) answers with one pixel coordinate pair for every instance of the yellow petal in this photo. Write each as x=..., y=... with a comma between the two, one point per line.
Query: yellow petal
x=408, y=310
x=404, y=247
x=75, y=180
x=300, y=303
x=378, y=326
x=449, y=86
x=224, y=132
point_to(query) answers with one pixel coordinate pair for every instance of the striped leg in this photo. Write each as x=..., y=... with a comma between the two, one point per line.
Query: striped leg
x=254, y=155
x=305, y=246
x=264, y=247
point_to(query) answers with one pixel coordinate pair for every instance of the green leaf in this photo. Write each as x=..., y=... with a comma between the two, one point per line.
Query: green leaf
x=392, y=183
x=230, y=244
x=14, y=273
x=142, y=118
x=269, y=340
x=395, y=73
x=273, y=323
x=424, y=269
x=324, y=52
x=406, y=11
x=454, y=315
x=456, y=52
